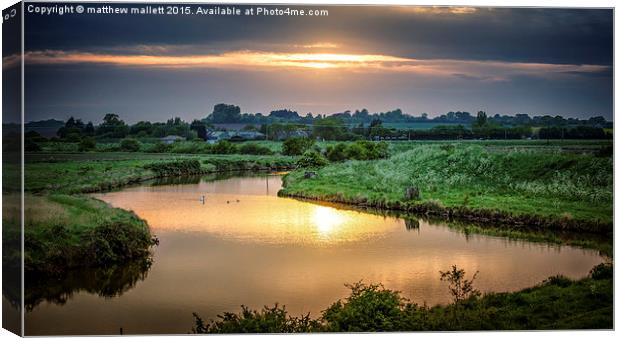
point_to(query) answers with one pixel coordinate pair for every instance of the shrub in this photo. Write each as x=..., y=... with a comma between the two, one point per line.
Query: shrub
x=336, y=153
x=175, y=168
x=558, y=280
x=311, y=159
x=268, y=320
x=87, y=144
x=224, y=147
x=375, y=150
x=602, y=271
x=355, y=151
x=254, y=149
x=368, y=308
x=296, y=146
x=130, y=144
x=359, y=150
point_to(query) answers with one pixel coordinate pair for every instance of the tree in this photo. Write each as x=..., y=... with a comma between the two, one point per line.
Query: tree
x=284, y=114
x=72, y=129
x=200, y=128
x=89, y=129
x=225, y=113
x=330, y=128
x=296, y=146
x=113, y=127
x=460, y=288
x=481, y=119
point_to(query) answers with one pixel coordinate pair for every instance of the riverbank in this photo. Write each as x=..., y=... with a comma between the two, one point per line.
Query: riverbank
x=65, y=230
x=511, y=189
x=557, y=303
x=86, y=173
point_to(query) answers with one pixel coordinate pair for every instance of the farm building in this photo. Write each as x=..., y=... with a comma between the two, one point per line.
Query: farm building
x=170, y=139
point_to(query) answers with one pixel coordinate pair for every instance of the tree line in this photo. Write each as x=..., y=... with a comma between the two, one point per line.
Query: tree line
x=229, y=113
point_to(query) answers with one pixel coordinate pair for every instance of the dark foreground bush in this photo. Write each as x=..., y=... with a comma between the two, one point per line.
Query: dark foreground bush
x=175, y=168
x=558, y=303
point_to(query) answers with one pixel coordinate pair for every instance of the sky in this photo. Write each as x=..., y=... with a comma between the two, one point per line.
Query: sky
x=419, y=59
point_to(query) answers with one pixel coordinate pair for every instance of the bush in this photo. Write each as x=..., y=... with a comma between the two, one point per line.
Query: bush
x=87, y=144
x=558, y=280
x=355, y=151
x=254, y=149
x=268, y=320
x=224, y=147
x=130, y=144
x=175, y=168
x=369, y=308
x=296, y=146
x=602, y=271
x=359, y=150
x=312, y=159
x=336, y=153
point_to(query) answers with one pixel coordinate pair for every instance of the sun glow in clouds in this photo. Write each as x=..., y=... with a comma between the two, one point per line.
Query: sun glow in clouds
x=254, y=60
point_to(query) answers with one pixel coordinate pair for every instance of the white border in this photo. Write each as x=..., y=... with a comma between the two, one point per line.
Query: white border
x=482, y=3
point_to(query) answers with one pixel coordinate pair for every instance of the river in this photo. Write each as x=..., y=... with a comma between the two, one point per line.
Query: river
x=245, y=245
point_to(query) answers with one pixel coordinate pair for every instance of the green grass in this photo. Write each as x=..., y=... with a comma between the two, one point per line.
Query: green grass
x=556, y=303
x=561, y=187
x=63, y=232
x=79, y=173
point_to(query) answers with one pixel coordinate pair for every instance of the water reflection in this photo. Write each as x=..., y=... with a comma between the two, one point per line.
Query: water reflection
x=245, y=245
x=106, y=282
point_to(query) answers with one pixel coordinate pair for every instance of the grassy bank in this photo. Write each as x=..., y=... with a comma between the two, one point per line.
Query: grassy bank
x=556, y=303
x=520, y=188
x=63, y=232
x=82, y=173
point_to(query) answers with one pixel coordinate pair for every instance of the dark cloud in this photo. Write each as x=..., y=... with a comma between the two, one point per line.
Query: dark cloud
x=575, y=36
x=468, y=60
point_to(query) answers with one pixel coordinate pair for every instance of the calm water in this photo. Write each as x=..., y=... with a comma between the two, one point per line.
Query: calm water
x=245, y=245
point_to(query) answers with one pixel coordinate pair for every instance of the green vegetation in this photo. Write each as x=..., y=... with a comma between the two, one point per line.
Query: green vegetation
x=358, y=150
x=130, y=144
x=556, y=303
x=83, y=173
x=63, y=232
x=175, y=168
x=561, y=191
x=296, y=146
x=311, y=159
